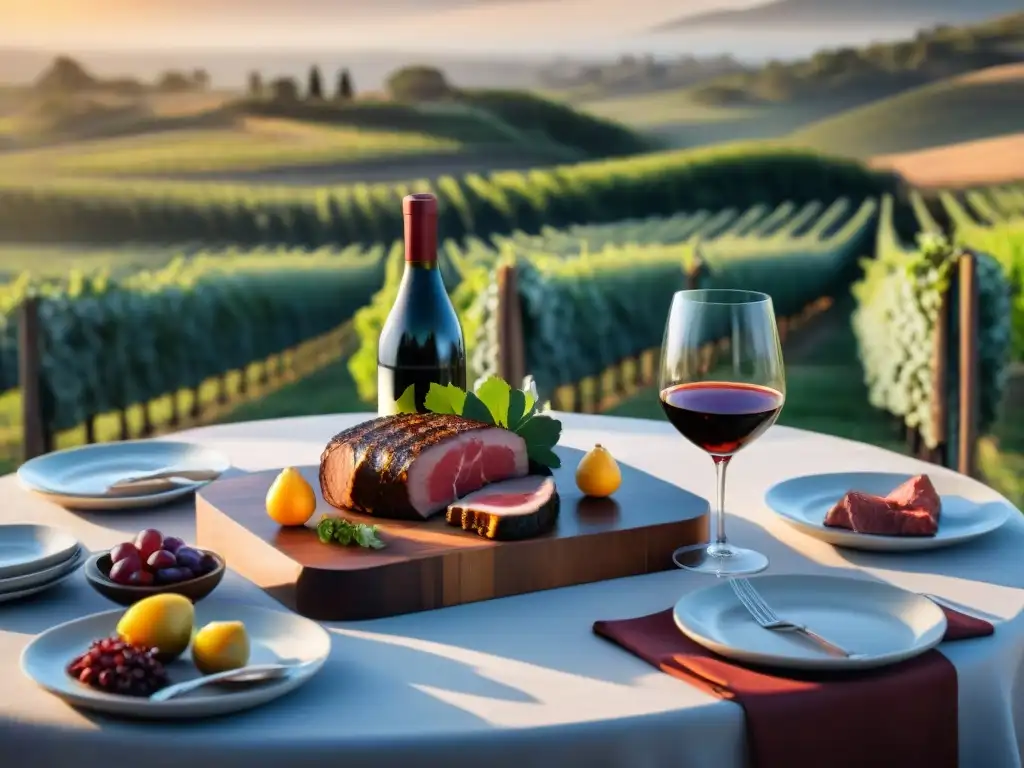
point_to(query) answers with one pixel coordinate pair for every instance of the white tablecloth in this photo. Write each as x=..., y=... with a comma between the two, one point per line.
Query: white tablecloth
x=520, y=681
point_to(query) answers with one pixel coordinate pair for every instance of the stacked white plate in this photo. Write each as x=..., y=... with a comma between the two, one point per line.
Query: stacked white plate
x=34, y=558
x=85, y=478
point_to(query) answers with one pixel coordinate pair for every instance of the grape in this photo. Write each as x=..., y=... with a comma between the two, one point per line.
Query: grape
x=172, y=544
x=161, y=559
x=173, y=575
x=208, y=564
x=141, y=579
x=114, y=666
x=124, y=551
x=148, y=542
x=122, y=571
x=187, y=557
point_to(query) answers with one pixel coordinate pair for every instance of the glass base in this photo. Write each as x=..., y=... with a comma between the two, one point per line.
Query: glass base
x=719, y=560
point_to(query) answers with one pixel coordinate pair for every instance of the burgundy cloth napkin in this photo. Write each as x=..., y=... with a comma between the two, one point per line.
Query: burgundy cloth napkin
x=904, y=715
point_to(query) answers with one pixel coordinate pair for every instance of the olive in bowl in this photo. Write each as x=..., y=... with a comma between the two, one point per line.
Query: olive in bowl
x=152, y=564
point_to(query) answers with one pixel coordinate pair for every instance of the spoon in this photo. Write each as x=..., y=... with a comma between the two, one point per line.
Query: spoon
x=256, y=673
x=171, y=476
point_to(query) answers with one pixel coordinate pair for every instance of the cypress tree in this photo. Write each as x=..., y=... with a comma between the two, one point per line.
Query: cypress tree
x=316, y=90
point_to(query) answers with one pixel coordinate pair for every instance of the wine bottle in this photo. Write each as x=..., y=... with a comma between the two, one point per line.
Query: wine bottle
x=421, y=342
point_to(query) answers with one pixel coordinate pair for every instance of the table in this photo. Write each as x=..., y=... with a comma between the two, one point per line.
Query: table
x=519, y=681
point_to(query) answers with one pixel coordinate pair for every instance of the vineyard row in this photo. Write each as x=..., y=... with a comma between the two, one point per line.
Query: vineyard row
x=98, y=212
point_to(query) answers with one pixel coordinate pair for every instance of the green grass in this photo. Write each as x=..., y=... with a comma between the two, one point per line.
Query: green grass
x=329, y=390
x=676, y=117
x=977, y=106
x=255, y=143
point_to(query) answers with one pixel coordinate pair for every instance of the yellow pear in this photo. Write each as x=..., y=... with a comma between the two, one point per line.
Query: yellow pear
x=220, y=646
x=598, y=474
x=290, y=500
x=163, y=622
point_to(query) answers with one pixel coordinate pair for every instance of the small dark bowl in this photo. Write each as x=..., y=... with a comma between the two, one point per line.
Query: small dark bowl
x=97, y=573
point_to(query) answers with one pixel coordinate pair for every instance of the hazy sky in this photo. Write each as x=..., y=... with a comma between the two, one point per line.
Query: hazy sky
x=471, y=25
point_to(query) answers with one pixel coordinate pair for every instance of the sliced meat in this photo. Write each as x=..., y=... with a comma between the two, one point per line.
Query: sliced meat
x=865, y=513
x=412, y=466
x=514, y=509
x=918, y=493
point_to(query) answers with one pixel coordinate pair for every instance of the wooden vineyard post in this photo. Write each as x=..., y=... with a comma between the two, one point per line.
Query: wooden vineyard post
x=511, y=344
x=940, y=382
x=36, y=437
x=123, y=429
x=195, y=409
x=223, y=396
x=967, y=433
x=148, y=428
x=697, y=270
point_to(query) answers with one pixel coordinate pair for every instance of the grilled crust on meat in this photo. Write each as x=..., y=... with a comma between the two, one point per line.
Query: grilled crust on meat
x=380, y=453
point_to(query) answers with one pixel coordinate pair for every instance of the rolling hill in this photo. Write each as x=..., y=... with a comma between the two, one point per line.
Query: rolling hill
x=792, y=13
x=971, y=163
x=978, y=105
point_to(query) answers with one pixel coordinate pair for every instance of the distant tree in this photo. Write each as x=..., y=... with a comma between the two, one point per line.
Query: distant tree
x=345, y=90
x=200, y=79
x=174, y=82
x=418, y=84
x=255, y=85
x=316, y=88
x=285, y=89
x=65, y=75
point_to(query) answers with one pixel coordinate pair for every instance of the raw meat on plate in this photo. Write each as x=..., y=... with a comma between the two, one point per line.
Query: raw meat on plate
x=912, y=509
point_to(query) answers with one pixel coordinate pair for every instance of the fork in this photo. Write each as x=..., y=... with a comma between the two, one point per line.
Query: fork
x=768, y=619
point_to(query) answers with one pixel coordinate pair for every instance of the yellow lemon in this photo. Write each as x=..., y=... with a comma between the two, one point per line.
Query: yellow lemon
x=290, y=500
x=162, y=621
x=598, y=475
x=220, y=646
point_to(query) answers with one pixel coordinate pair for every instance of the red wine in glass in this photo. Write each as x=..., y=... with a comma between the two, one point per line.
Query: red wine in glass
x=721, y=417
x=721, y=403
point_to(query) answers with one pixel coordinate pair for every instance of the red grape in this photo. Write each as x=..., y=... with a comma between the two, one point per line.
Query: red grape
x=122, y=571
x=172, y=544
x=125, y=551
x=141, y=579
x=161, y=559
x=148, y=542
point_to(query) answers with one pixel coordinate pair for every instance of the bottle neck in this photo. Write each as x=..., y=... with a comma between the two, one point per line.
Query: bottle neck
x=422, y=273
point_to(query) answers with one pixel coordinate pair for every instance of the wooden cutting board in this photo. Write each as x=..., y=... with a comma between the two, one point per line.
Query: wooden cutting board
x=431, y=564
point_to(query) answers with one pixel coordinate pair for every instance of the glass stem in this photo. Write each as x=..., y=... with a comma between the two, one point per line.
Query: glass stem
x=721, y=464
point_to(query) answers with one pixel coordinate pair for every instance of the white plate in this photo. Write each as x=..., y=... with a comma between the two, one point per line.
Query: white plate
x=969, y=509
x=78, y=477
x=64, y=575
x=44, y=576
x=275, y=637
x=25, y=549
x=877, y=621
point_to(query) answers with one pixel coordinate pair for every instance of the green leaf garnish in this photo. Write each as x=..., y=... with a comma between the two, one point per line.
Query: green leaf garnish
x=337, y=530
x=541, y=434
x=493, y=402
x=476, y=410
x=407, y=402
x=495, y=394
x=445, y=399
x=517, y=410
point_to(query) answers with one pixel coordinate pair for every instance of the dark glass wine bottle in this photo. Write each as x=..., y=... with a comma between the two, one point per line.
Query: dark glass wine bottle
x=421, y=342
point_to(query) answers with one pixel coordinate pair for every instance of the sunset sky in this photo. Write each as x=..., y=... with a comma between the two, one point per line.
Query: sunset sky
x=421, y=24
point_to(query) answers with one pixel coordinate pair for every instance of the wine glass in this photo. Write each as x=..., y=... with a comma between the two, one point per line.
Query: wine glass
x=722, y=386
